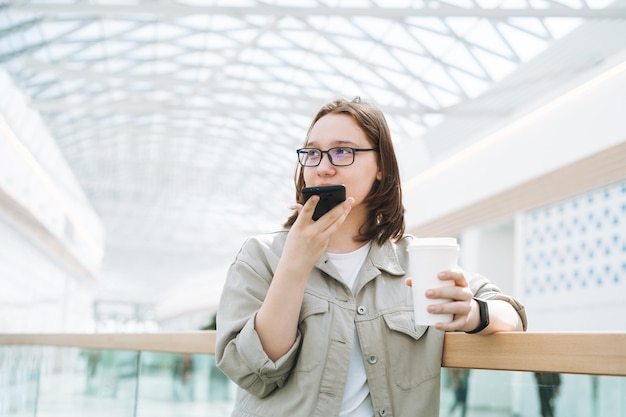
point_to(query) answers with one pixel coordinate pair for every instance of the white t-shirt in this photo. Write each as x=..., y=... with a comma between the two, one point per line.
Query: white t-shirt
x=356, y=400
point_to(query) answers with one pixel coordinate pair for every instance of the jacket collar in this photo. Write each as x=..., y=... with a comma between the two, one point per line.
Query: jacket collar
x=385, y=258
x=382, y=258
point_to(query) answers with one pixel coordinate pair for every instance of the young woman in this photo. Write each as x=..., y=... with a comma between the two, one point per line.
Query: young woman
x=317, y=319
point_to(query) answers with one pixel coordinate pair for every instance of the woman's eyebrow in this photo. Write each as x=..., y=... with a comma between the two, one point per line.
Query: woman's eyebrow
x=334, y=143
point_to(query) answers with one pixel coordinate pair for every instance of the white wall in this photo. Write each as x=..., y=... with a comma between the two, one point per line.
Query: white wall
x=37, y=294
x=586, y=120
x=51, y=239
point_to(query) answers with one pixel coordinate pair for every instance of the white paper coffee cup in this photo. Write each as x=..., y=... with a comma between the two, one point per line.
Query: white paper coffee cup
x=428, y=257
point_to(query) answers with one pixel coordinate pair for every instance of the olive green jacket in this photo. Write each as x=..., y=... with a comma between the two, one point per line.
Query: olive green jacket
x=402, y=360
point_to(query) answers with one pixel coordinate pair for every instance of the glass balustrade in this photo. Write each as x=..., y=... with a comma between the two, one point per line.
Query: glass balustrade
x=66, y=382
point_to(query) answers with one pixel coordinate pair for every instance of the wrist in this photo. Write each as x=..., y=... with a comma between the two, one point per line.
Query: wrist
x=481, y=311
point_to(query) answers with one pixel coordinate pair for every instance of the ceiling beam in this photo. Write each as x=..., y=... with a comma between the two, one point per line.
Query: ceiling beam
x=180, y=10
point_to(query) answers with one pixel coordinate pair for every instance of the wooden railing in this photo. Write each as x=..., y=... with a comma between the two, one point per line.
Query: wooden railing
x=577, y=353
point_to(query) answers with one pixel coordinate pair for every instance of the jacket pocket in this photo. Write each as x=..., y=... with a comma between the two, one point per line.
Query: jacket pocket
x=314, y=323
x=414, y=352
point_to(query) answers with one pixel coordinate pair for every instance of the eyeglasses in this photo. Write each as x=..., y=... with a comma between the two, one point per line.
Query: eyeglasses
x=341, y=157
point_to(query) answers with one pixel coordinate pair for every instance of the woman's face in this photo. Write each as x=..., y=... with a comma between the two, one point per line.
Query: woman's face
x=334, y=130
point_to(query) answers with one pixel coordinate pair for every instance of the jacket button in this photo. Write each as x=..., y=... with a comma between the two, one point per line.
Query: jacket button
x=382, y=412
x=361, y=310
x=372, y=359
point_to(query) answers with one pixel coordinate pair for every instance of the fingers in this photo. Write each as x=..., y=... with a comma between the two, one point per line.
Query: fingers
x=460, y=297
x=339, y=212
x=306, y=210
x=460, y=311
x=456, y=275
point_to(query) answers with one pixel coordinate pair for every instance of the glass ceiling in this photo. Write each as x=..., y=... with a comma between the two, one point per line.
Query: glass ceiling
x=180, y=118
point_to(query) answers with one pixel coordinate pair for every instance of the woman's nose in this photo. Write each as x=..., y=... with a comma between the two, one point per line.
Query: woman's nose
x=325, y=167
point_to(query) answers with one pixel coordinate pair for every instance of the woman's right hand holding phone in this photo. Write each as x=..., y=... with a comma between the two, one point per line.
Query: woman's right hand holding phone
x=276, y=321
x=308, y=239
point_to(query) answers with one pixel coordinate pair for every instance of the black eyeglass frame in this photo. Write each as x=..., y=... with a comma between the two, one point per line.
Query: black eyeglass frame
x=330, y=158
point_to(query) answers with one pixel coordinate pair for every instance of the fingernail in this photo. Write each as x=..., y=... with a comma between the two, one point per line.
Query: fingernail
x=441, y=275
x=429, y=293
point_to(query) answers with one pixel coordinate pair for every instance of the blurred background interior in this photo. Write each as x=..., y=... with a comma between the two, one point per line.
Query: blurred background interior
x=141, y=142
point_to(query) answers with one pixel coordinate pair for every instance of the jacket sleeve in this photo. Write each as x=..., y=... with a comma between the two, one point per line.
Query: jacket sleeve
x=239, y=353
x=486, y=290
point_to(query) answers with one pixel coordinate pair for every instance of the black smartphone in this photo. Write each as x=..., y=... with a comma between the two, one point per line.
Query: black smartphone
x=330, y=196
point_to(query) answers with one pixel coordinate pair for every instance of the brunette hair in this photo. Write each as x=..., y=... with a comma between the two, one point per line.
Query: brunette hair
x=386, y=213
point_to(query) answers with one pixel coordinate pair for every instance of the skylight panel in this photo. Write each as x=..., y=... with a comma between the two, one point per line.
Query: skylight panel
x=417, y=93
x=54, y=29
x=188, y=74
x=414, y=64
x=398, y=38
x=341, y=67
x=335, y=25
x=262, y=57
x=325, y=46
x=496, y=66
x=144, y=32
x=435, y=43
x=397, y=77
x=142, y=68
x=302, y=39
x=242, y=35
x=88, y=52
x=439, y=77
x=113, y=28
x=431, y=24
x=526, y=46
x=472, y=86
x=355, y=48
x=119, y=65
x=532, y=26
x=485, y=36
x=443, y=97
x=115, y=48
x=460, y=57
x=305, y=79
x=383, y=95
x=368, y=76
x=462, y=26
x=63, y=51
x=166, y=50
x=380, y=56
x=559, y=27
x=195, y=41
x=245, y=72
x=372, y=27
x=142, y=52
x=193, y=59
x=272, y=40
x=304, y=60
x=167, y=32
